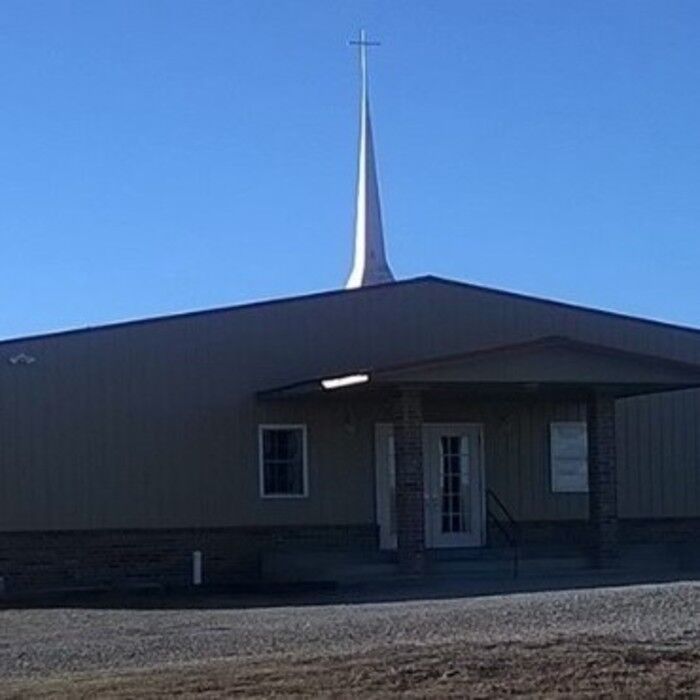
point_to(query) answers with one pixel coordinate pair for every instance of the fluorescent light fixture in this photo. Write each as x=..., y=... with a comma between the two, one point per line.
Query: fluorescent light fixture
x=348, y=380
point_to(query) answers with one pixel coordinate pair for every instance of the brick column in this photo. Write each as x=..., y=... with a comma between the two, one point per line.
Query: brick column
x=602, y=478
x=408, y=451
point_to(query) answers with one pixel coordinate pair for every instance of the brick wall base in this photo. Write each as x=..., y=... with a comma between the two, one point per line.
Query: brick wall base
x=34, y=561
x=126, y=558
x=661, y=531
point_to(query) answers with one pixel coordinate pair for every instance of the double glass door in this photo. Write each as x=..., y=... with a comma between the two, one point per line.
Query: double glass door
x=453, y=488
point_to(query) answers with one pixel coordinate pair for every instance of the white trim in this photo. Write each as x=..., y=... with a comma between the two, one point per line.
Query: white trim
x=262, y=427
x=383, y=491
x=482, y=479
x=476, y=430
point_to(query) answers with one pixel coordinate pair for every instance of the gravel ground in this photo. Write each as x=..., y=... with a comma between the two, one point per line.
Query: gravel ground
x=88, y=645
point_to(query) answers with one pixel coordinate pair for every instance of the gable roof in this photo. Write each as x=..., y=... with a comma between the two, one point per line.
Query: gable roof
x=315, y=297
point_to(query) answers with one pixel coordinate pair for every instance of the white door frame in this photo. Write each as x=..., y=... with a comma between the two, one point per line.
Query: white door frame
x=385, y=498
x=385, y=484
x=432, y=473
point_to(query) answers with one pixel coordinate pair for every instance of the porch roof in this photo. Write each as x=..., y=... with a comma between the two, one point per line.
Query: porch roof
x=548, y=363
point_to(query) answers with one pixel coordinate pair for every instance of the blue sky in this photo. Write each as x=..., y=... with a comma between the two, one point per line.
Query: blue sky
x=161, y=156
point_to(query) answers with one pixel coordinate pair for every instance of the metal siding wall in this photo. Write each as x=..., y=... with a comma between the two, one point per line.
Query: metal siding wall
x=154, y=424
x=516, y=446
x=659, y=455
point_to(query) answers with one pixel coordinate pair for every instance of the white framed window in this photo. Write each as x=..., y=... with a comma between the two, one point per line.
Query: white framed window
x=568, y=449
x=282, y=461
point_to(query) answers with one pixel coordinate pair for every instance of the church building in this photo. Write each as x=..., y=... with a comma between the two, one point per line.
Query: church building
x=398, y=423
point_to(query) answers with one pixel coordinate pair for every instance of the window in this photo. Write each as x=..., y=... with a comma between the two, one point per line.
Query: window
x=282, y=450
x=454, y=475
x=569, y=457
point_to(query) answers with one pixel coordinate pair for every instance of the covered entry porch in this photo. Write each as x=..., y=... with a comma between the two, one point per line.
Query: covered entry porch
x=459, y=485
x=445, y=428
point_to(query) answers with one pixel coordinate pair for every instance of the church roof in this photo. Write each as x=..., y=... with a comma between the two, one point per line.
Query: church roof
x=388, y=288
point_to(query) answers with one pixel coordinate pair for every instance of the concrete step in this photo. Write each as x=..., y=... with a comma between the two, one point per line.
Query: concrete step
x=492, y=567
x=472, y=564
x=503, y=552
x=672, y=556
x=297, y=567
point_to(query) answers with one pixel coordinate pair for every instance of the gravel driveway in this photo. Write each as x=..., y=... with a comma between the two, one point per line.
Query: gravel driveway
x=41, y=643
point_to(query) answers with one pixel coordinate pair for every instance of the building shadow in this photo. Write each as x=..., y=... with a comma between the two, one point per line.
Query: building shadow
x=325, y=593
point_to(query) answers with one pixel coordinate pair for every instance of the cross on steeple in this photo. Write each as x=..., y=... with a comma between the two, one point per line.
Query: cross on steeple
x=369, y=264
x=362, y=43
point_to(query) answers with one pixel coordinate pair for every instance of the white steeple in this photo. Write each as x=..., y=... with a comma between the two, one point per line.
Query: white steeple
x=369, y=264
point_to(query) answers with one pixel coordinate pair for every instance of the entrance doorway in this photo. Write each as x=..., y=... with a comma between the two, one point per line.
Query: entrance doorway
x=453, y=485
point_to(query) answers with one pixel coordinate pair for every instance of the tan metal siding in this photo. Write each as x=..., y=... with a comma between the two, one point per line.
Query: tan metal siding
x=154, y=424
x=659, y=456
x=516, y=447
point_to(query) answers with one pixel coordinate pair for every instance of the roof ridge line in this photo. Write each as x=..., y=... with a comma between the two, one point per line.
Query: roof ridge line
x=217, y=309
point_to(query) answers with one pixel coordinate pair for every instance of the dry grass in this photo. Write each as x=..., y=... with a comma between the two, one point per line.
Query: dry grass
x=575, y=667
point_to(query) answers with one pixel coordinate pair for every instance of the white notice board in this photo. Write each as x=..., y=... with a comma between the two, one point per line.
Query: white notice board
x=569, y=456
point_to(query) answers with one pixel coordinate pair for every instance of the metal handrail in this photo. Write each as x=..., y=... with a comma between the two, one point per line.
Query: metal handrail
x=511, y=533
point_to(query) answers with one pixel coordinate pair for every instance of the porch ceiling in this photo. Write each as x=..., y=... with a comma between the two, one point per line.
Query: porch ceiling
x=545, y=364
